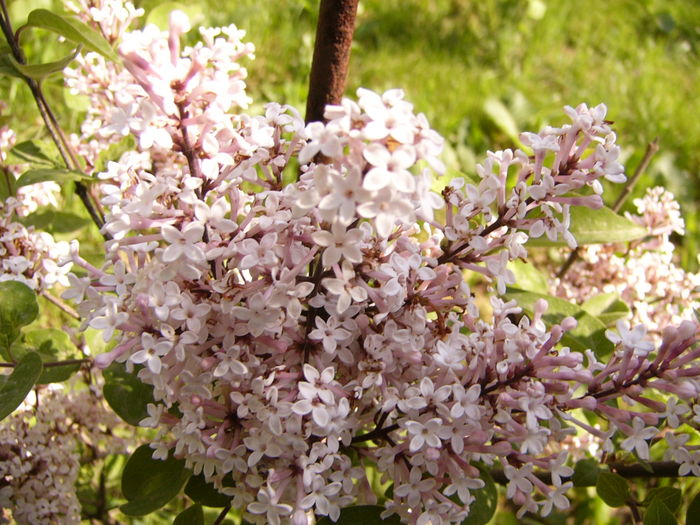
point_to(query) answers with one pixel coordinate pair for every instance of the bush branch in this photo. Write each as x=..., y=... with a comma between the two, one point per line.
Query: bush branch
x=655, y=469
x=329, y=68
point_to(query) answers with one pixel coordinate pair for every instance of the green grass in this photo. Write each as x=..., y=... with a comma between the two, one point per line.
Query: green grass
x=640, y=57
x=458, y=58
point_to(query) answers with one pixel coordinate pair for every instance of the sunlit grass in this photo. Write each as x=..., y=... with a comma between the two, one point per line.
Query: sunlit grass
x=640, y=57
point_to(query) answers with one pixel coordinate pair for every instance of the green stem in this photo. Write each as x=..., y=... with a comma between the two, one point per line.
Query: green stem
x=53, y=364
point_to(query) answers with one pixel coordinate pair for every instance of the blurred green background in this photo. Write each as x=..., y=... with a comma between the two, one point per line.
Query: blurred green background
x=485, y=70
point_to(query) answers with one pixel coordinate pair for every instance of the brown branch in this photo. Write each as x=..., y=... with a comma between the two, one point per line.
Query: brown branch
x=222, y=515
x=651, y=150
x=377, y=433
x=62, y=305
x=655, y=469
x=329, y=68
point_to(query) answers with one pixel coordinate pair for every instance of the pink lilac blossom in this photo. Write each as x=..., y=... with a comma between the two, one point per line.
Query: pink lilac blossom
x=29, y=256
x=40, y=454
x=644, y=274
x=298, y=325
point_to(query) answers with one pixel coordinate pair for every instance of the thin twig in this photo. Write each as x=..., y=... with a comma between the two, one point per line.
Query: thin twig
x=655, y=469
x=53, y=364
x=222, y=515
x=52, y=125
x=651, y=150
x=61, y=304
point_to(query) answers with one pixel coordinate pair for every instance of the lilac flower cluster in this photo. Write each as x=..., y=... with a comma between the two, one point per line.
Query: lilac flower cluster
x=32, y=257
x=297, y=333
x=644, y=274
x=40, y=457
x=27, y=255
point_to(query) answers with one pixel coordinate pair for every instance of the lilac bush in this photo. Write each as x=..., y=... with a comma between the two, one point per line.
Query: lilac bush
x=312, y=313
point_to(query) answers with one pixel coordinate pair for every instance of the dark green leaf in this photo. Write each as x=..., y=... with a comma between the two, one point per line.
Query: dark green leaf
x=6, y=67
x=658, y=514
x=7, y=186
x=585, y=473
x=671, y=497
x=53, y=345
x=190, y=516
x=150, y=483
x=364, y=514
x=590, y=332
x=666, y=22
x=126, y=394
x=202, y=492
x=607, y=307
x=18, y=307
x=613, y=489
x=485, y=501
x=34, y=176
x=41, y=71
x=692, y=515
x=55, y=221
x=72, y=29
x=32, y=151
x=19, y=383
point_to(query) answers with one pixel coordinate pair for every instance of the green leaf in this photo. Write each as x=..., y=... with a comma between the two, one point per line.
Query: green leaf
x=658, y=514
x=53, y=345
x=607, y=307
x=41, y=71
x=32, y=151
x=612, y=488
x=669, y=496
x=6, y=67
x=55, y=221
x=74, y=30
x=114, y=153
x=19, y=383
x=502, y=118
x=590, y=332
x=18, y=307
x=34, y=176
x=7, y=188
x=692, y=515
x=126, y=394
x=150, y=483
x=602, y=226
x=364, y=514
x=528, y=277
x=485, y=501
x=204, y=493
x=190, y=516
x=585, y=473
